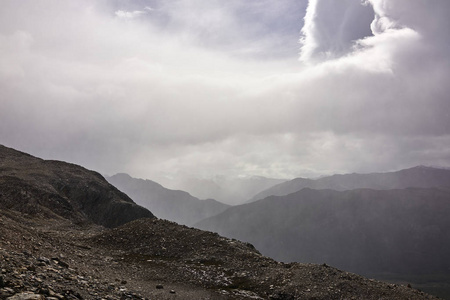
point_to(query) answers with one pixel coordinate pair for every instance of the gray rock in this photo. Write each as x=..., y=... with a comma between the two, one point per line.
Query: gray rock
x=44, y=260
x=26, y=296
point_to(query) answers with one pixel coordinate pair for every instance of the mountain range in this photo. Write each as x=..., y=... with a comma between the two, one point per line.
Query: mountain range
x=172, y=205
x=66, y=233
x=419, y=176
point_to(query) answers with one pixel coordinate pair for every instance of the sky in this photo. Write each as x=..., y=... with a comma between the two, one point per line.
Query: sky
x=282, y=89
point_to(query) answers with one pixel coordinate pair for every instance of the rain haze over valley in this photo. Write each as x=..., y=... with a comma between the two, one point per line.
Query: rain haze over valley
x=316, y=130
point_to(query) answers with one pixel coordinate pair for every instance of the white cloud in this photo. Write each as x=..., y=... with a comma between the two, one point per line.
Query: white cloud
x=160, y=94
x=130, y=14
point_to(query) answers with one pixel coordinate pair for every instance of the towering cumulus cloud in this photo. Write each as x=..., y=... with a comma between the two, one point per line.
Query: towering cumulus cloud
x=331, y=27
x=334, y=28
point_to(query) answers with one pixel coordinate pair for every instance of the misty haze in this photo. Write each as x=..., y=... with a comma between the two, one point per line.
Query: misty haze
x=207, y=149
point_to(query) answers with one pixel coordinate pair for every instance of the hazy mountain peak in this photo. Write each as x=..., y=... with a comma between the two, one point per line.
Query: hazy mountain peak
x=226, y=189
x=122, y=175
x=174, y=205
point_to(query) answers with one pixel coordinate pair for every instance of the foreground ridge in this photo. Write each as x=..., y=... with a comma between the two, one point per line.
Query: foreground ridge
x=157, y=259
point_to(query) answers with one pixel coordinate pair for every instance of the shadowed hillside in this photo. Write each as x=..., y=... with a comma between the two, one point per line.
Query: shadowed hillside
x=61, y=190
x=404, y=232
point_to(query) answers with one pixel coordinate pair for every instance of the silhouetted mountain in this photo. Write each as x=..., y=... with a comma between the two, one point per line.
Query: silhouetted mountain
x=403, y=232
x=422, y=177
x=177, y=206
x=225, y=189
x=61, y=190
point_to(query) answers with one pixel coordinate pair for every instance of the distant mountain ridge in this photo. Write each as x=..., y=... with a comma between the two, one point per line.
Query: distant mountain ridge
x=364, y=230
x=173, y=205
x=419, y=176
x=229, y=190
x=58, y=189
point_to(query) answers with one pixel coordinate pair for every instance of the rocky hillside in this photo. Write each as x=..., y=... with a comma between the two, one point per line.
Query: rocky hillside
x=177, y=206
x=53, y=247
x=155, y=259
x=423, y=177
x=57, y=189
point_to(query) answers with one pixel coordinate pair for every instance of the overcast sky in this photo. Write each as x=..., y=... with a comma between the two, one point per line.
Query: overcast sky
x=281, y=89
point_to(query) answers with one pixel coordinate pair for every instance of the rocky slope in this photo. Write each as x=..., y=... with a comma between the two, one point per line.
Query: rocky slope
x=51, y=248
x=155, y=259
x=422, y=177
x=177, y=206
